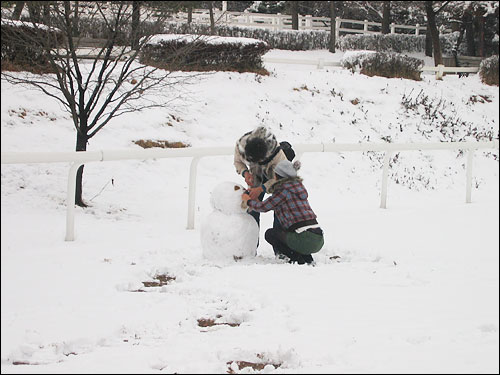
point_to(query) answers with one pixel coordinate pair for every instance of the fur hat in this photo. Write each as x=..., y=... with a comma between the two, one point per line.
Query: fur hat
x=256, y=149
x=286, y=168
x=262, y=141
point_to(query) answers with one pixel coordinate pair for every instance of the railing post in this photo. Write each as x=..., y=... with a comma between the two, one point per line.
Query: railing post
x=309, y=24
x=321, y=63
x=385, y=174
x=393, y=28
x=365, y=26
x=192, y=191
x=337, y=28
x=279, y=22
x=70, y=202
x=417, y=29
x=468, y=176
x=439, y=73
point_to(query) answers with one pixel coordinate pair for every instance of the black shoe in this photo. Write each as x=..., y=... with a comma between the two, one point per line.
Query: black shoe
x=303, y=258
x=308, y=258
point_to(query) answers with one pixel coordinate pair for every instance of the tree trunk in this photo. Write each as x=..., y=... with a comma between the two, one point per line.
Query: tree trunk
x=469, y=34
x=332, y=27
x=480, y=31
x=190, y=13
x=136, y=14
x=386, y=18
x=18, y=10
x=34, y=10
x=212, y=19
x=76, y=20
x=456, y=48
x=46, y=13
x=294, y=8
x=428, y=43
x=81, y=145
x=431, y=25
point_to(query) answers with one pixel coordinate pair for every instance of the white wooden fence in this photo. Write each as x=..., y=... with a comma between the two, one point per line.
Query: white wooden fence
x=79, y=158
x=284, y=22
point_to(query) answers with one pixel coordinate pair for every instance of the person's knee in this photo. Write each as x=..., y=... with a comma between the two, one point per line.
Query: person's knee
x=270, y=236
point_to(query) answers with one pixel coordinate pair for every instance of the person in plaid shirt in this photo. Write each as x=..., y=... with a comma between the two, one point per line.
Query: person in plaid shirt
x=298, y=235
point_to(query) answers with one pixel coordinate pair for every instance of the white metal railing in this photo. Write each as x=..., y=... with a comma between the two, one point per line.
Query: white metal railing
x=440, y=69
x=321, y=63
x=79, y=158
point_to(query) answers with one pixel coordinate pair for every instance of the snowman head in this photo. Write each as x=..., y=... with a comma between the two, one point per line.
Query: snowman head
x=226, y=197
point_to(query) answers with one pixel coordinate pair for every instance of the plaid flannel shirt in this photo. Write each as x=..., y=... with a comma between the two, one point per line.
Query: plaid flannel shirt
x=289, y=202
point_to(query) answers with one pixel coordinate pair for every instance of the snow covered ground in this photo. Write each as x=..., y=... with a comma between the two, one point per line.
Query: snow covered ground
x=413, y=288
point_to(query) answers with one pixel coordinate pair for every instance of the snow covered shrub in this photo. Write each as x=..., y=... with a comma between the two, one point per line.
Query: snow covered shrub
x=382, y=42
x=488, y=70
x=294, y=40
x=397, y=43
x=203, y=52
x=24, y=45
x=97, y=29
x=389, y=65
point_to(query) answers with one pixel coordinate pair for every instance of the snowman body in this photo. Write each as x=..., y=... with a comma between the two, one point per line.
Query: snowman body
x=229, y=232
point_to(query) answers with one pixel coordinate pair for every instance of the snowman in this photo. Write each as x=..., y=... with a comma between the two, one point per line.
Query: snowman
x=229, y=232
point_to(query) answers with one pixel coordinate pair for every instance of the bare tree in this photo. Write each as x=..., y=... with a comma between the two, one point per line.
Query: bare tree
x=480, y=12
x=469, y=31
x=189, y=12
x=434, y=33
x=332, y=27
x=212, y=18
x=76, y=19
x=18, y=9
x=428, y=42
x=136, y=15
x=105, y=86
x=476, y=24
x=386, y=17
x=34, y=9
x=188, y=7
x=294, y=10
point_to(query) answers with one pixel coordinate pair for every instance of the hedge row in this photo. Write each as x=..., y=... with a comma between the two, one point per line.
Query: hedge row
x=488, y=70
x=191, y=52
x=24, y=45
x=398, y=43
x=293, y=40
x=383, y=64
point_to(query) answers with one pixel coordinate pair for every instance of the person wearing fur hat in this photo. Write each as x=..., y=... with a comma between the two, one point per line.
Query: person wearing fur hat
x=299, y=234
x=255, y=156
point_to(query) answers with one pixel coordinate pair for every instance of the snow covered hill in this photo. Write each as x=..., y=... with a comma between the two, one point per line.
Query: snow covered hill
x=413, y=288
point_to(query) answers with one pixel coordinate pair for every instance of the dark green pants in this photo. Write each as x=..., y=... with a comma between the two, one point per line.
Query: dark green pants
x=298, y=247
x=305, y=243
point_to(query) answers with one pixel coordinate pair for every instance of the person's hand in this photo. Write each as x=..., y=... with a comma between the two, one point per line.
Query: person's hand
x=249, y=178
x=255, y=192
x=245, y=197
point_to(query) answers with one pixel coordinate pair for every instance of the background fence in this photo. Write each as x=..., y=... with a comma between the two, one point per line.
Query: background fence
x=79, y=158
x=306, y=22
